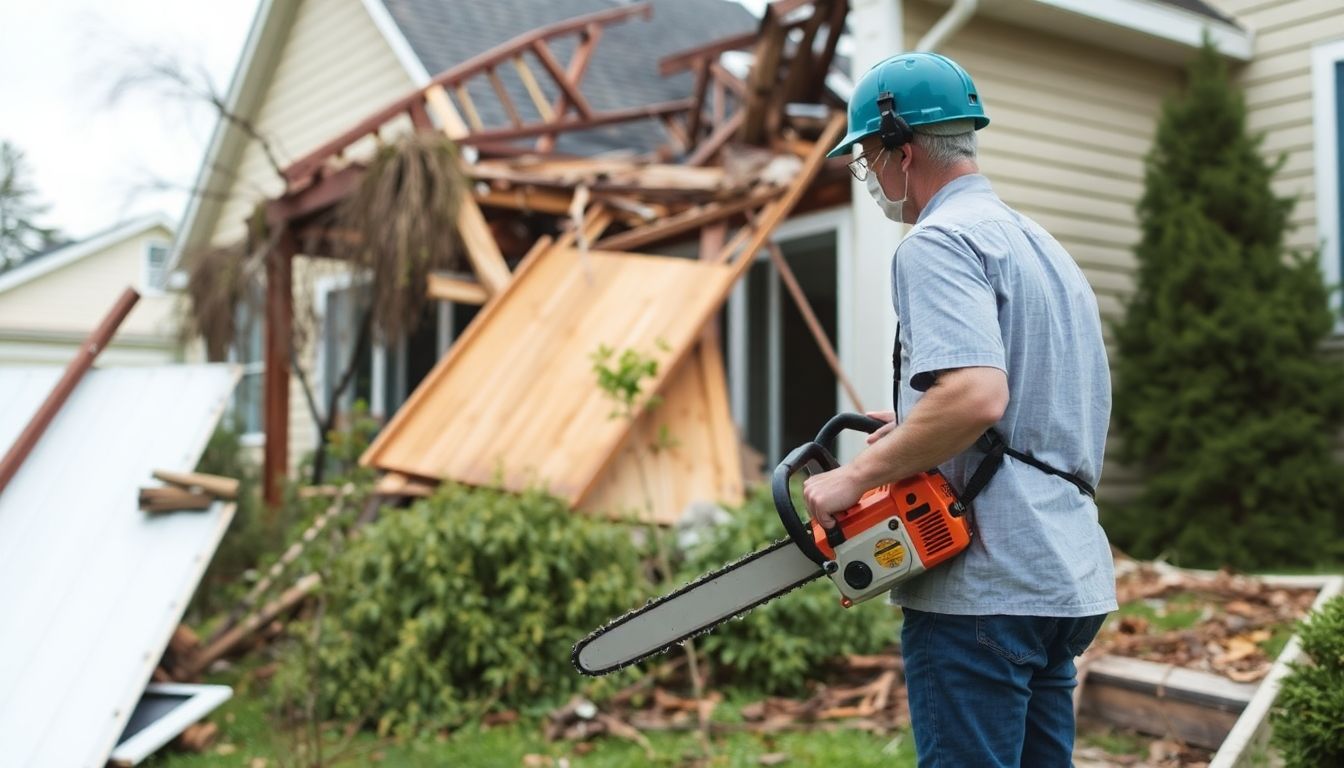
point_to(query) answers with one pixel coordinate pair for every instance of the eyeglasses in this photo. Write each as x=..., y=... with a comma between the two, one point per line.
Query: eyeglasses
x=861, y=165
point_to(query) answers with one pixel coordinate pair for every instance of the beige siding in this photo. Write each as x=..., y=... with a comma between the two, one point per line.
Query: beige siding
x=334, y=70
x=1071, y=125
x=46, y=318
x=1278, y=91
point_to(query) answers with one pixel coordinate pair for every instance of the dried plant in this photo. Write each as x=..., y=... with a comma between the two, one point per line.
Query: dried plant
x=217, y=284
x=404, y=216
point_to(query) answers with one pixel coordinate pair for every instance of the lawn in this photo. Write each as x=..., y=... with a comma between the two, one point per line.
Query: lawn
x=248, y=738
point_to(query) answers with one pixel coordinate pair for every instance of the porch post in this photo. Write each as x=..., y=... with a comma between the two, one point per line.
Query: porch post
x=279, y=336
x=867, y=320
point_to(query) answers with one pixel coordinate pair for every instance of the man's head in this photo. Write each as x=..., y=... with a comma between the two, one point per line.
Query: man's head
x=912, y=123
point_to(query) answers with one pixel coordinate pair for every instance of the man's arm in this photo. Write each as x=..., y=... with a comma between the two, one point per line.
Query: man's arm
x=960, y=405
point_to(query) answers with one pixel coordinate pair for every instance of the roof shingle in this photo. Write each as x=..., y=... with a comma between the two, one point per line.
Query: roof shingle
x=622, y=73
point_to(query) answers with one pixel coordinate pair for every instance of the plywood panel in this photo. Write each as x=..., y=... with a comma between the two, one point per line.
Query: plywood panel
x=703, y=463
x=516, y=404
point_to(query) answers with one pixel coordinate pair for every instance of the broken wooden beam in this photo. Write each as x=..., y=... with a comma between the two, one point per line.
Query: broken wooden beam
x=199, y=482
x=445, y=288
x=268, y=613
x=172, y=499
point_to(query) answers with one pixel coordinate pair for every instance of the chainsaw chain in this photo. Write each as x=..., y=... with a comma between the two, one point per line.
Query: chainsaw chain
x=655, y=602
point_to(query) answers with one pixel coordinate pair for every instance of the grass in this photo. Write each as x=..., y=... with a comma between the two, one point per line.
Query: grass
x=249, y=739
x=1181, y=610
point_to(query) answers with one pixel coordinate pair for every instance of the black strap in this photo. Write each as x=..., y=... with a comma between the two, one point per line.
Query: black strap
x=991, y=443
x=995, y=449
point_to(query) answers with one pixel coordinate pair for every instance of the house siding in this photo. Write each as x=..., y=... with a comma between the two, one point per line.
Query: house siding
x=45, y=320
x=334, y=69
x=1279, y=93
x=1071, y=124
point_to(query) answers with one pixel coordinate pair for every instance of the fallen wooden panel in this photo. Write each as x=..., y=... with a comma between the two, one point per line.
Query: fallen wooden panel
x=702, y=462
x=516, y=403
x=91, y=588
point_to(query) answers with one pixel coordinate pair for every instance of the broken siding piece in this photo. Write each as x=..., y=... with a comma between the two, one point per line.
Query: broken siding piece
x=92, y=589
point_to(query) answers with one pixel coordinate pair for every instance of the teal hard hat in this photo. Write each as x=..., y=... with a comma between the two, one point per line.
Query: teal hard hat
x=924, y=89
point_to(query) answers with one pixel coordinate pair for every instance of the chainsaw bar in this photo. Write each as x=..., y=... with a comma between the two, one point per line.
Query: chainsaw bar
x=694, y=609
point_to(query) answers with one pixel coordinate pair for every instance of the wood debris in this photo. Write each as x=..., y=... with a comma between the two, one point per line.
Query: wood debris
x=186, y=491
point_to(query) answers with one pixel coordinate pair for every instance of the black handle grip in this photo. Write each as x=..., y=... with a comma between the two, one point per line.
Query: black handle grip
x=818, y=451
x=842, y=421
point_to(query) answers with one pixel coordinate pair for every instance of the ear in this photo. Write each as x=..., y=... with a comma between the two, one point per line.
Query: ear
x=907, y=154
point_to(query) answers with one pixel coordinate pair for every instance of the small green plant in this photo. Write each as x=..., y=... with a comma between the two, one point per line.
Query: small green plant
x=622, y=377
x=1308, y=717
x=782, y=644
x=467, y=601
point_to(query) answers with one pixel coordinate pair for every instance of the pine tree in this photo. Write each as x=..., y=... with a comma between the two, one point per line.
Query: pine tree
x=20, y=235
x=1223, y=398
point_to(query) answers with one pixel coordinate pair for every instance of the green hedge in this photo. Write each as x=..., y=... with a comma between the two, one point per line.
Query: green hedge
x=1308, y=719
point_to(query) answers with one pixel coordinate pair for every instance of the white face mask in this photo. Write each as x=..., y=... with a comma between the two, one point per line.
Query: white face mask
x=892, y=209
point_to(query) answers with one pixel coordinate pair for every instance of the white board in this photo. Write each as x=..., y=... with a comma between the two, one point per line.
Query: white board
x=91, y=588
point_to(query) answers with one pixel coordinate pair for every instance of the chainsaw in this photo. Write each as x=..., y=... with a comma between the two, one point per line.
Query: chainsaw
x=894, y=533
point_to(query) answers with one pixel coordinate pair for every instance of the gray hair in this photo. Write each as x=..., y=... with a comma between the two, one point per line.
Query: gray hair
x=947, y=150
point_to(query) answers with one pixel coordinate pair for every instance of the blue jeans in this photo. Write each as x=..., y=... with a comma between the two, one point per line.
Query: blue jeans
x=994, y=690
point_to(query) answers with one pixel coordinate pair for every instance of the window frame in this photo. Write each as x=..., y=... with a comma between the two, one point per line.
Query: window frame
x=147, y=288
x=1327, y=77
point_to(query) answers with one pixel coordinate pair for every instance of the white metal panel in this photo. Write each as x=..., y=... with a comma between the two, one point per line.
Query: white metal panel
x=90, y=587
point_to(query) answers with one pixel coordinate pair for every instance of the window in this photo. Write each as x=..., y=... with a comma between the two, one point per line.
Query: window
x=1328, y=98
x=783, y=390
x=249, y=352
x=156, y=268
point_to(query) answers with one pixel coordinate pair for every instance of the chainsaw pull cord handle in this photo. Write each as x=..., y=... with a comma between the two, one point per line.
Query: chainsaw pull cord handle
x=817, y=451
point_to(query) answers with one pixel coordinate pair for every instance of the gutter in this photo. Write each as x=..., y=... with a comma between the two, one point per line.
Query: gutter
x=947, y=26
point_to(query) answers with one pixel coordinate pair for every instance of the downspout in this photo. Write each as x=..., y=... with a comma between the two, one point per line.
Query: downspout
x=947, y=26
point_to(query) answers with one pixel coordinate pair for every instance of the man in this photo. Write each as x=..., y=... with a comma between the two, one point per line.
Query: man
x=998, y=328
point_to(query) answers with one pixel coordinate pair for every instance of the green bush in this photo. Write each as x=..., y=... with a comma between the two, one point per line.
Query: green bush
x=1223, y=398
x=779, y=646
x=469, y=600
x=1308, y=718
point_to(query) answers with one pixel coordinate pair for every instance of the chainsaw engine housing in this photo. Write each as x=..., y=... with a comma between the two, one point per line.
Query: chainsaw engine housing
x=895, y=532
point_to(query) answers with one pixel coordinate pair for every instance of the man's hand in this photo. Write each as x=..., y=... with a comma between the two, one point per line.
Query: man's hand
x=831, y=492
x=881, y=432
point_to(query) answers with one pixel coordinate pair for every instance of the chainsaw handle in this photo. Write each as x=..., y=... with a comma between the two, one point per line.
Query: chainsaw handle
x=779, y=485
x=816, y=451
x=842, y=421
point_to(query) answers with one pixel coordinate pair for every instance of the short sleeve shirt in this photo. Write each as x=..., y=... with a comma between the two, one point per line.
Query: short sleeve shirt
x=977, y=284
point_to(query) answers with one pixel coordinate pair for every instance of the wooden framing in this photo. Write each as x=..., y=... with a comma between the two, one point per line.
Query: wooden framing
x=659, y=202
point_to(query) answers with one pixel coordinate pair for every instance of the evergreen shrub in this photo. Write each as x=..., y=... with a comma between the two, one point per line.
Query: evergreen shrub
x=1308, y=718
x=783, y=644
x=1223, y=399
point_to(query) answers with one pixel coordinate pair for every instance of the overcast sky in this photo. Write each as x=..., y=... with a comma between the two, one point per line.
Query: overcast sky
x=92, y=160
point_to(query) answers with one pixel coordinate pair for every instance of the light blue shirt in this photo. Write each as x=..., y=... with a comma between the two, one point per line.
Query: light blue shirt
x=977, y=284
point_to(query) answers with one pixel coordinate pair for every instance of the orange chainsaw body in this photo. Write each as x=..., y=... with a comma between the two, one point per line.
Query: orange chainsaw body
x=923, y=508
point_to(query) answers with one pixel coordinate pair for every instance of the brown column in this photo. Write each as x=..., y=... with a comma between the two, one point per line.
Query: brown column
x=279, y=336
